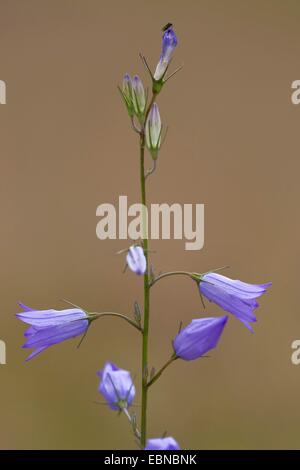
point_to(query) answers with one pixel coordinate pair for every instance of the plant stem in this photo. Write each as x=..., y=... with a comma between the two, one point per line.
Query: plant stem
x=146, y=283
x=146, y=280
x=146, y=304
x=158, y=374
x=94, y=315
x=171, y=273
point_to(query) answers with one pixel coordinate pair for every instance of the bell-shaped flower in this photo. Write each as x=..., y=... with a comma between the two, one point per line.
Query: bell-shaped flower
x=199, y=337
x=116, y=386
x=136, y=260
x=169, y=42
x=49, y=327
x=236, y=297
x=163, y=443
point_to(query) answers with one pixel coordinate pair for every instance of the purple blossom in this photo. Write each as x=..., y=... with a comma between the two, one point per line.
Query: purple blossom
x=236, y=297
x=169, y=42
x=116, y=386
x=50, y=327
x=136, y=260
x=196, y=339
x=164, y=443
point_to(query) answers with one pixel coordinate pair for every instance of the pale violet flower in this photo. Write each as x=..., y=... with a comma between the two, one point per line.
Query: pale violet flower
x=136, y=260
x=236, y=297
x=116, y=386
x=169, y=42
x=199, y=337
x=49, y=327
x=163, y=443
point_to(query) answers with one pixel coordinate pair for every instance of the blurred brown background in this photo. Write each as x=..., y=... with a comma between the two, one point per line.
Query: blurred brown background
x=66, y=147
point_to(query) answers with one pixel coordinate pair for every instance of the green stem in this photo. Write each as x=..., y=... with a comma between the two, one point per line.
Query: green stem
x=171, y=273
x=146, y=283
x=94, y=315
x=146, y=305
x=158, y=374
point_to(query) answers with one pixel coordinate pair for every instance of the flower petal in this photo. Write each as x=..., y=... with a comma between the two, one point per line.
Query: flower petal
x=48, y=318
x=53, y=335
x=242, y=309
x=236, y=287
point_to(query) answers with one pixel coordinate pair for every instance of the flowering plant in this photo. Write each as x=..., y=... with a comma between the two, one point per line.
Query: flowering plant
x=49, y=327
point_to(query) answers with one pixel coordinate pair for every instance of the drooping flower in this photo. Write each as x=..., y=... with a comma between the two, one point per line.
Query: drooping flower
x=153, y=130
x=236, y=297
x=116, y=386
x=169, y=42
x=136, y=260
x=49, y=327
x=164, y=443
x=196, y=339
x=138, y=96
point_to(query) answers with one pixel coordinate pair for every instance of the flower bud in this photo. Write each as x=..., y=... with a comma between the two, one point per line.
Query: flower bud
x=126, y=93
x=116, y=386
x=138, y=96
x=136, y=260
x=153, y=130
x=169, y=42
x=201, y=335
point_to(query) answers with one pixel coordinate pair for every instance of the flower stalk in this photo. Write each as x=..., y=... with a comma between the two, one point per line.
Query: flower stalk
x=146, y=296
x=158, y=374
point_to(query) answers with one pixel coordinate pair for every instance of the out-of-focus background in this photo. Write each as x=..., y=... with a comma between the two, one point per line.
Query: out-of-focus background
x=66, y=147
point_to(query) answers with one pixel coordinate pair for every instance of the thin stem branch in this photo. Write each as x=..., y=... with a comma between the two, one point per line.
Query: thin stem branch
x=135, y=430
x=95, y=315
x=158, y=374
x=151, y=170
x=171, y=273
x=134, y=126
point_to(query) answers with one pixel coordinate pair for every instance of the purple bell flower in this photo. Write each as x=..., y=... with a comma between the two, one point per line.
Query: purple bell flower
x=164, y=443
x=169, y=42
x=50, y=327
x=136, y=260
x=196, y=339
x=116, y=386
x=236, y=297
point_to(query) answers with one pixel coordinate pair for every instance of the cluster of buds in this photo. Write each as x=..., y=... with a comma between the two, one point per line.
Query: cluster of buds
x=135, y=97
